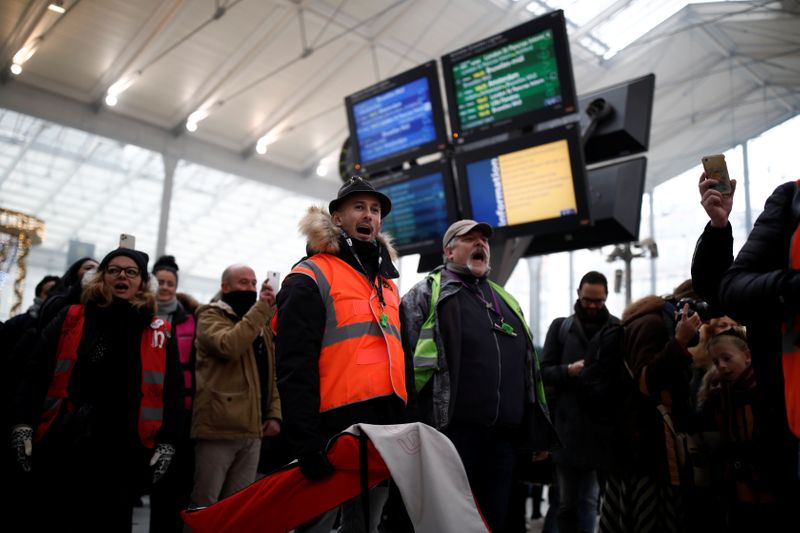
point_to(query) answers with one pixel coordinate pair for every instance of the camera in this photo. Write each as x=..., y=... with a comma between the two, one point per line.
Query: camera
x=695, y=306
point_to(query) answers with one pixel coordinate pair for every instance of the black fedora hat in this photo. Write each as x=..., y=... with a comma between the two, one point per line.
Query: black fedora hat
x=355, y=185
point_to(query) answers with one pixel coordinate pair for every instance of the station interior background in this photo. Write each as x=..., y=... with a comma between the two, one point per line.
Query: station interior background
x=253, y=76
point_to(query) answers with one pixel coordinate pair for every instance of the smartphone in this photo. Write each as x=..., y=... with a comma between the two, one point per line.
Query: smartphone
x=715, y=168
x=127, y=241
x=274, y=280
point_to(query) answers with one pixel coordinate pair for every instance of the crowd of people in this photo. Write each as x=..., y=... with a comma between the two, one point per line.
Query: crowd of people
x=119, y=385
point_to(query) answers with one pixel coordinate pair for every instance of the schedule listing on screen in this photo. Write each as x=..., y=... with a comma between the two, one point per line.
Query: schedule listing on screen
x=419, y=210
x=516, y=78
x=523, y=186
x=395, y=121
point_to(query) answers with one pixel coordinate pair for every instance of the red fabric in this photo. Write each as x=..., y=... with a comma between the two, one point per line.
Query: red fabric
x=284, y=500
x=154, y=357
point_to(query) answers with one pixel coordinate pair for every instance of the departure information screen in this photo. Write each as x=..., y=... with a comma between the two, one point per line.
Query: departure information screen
x=419, y=210
x=516, y=78
x=395, y=121
x=523, y=186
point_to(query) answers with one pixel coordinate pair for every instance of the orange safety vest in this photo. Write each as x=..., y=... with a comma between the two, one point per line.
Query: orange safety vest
x=791, y=348
x=360, y=359
x=154, y=364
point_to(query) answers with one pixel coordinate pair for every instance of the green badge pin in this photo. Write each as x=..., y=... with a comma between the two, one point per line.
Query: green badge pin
x=384, y=319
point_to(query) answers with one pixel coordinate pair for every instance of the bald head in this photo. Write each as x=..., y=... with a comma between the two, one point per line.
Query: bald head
x=238, y=277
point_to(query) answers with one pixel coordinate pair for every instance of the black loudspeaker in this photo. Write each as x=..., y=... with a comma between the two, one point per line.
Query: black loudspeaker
x=625, y=130
x=618, y=281
x=615, y=205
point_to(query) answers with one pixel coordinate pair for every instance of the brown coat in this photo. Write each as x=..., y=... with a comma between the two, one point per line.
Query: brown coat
x=227, y=404
x=660, y=366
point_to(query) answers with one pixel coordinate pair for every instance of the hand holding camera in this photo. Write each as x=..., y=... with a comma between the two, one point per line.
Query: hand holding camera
x=689, y=322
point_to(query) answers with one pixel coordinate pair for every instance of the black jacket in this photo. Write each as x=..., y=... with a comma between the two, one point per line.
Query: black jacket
x=760, y=291
x=105, y=385
x=300, y=328
x=565, y=394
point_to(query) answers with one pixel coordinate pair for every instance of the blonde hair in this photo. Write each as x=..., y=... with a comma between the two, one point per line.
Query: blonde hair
x=736, y=335
x=98, y=292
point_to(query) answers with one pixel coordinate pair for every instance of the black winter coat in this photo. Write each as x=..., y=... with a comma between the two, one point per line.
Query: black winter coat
x=105, y=385
x=565, y=395
x=760, y=291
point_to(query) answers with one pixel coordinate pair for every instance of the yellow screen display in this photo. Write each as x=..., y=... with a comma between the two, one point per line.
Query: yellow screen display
x=537, y=183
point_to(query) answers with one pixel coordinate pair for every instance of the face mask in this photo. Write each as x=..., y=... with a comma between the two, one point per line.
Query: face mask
x=240, y=301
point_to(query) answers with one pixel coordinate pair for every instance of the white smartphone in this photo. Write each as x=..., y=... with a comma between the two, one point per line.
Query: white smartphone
x=127, y=241
x=274, y=280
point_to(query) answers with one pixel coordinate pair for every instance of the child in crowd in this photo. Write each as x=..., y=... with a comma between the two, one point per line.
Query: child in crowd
x=727, y=397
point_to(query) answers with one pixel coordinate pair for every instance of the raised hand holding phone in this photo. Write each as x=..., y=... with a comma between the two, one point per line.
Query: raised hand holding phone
x=717, y=169
x=274, y=280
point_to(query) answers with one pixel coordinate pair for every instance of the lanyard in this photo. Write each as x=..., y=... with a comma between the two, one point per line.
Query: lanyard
x=502, y=326
x=384, y=318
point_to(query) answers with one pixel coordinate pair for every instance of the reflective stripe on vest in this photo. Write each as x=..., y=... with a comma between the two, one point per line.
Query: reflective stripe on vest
x=791, y=346
x=426, y=355
x=185, y=335
x=154, y=360
x=359, y=359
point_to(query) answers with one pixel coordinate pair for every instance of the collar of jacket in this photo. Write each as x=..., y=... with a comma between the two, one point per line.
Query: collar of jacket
x=322, y=236
x=227, y=309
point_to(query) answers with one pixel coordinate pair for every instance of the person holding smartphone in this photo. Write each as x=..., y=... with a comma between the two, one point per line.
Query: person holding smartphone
x=761, y=290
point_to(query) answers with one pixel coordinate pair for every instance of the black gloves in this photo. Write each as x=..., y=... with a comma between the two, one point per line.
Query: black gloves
x=162, y=457
x=22, y=445
x=315, y=465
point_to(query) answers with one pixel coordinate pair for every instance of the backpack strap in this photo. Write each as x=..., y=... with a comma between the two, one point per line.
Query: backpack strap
x=566, y=324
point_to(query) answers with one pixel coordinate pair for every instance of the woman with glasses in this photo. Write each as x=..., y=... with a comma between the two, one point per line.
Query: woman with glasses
x=100, y=408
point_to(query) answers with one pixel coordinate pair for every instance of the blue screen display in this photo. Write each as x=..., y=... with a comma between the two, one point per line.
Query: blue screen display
x=485, y=193
x=419, y=210
x=396, y=121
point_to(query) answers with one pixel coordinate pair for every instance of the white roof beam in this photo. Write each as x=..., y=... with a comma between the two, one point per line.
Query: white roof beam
x=62, y=110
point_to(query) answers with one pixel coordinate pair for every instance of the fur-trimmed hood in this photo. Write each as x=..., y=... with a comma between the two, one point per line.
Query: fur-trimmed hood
x=322, y=236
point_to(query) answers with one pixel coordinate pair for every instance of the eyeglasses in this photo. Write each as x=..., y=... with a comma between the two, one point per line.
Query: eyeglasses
x=593, y=301
x=115, y=271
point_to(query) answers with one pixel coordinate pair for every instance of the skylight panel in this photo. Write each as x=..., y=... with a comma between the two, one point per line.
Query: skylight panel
x=580, y=12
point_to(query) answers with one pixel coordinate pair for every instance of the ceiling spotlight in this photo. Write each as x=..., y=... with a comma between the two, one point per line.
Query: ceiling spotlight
x=57, y=6
x=261, y=148
x=322, y=170
x=191, y=126
x=26, y=52
x=16, y=69
x=111, y=100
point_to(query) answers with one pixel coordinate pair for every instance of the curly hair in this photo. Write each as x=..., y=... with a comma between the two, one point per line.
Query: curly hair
x=99, y=293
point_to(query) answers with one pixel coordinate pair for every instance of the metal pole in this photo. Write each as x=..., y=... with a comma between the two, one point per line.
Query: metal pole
x=628, y=285
x=652, y=236
x=170, y=162
x=748, y=210
x=571, y=278
x=535, y=276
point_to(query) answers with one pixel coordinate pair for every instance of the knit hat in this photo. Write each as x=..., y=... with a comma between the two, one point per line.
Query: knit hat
x=355, y=185
x=140, y=258
x=166, y=262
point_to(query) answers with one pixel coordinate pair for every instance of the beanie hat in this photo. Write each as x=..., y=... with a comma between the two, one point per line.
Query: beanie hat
x=166, y=262
x=140, y=258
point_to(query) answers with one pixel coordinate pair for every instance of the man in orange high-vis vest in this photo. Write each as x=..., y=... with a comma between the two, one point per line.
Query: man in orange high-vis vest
x=338, y=350
x=761, y=290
